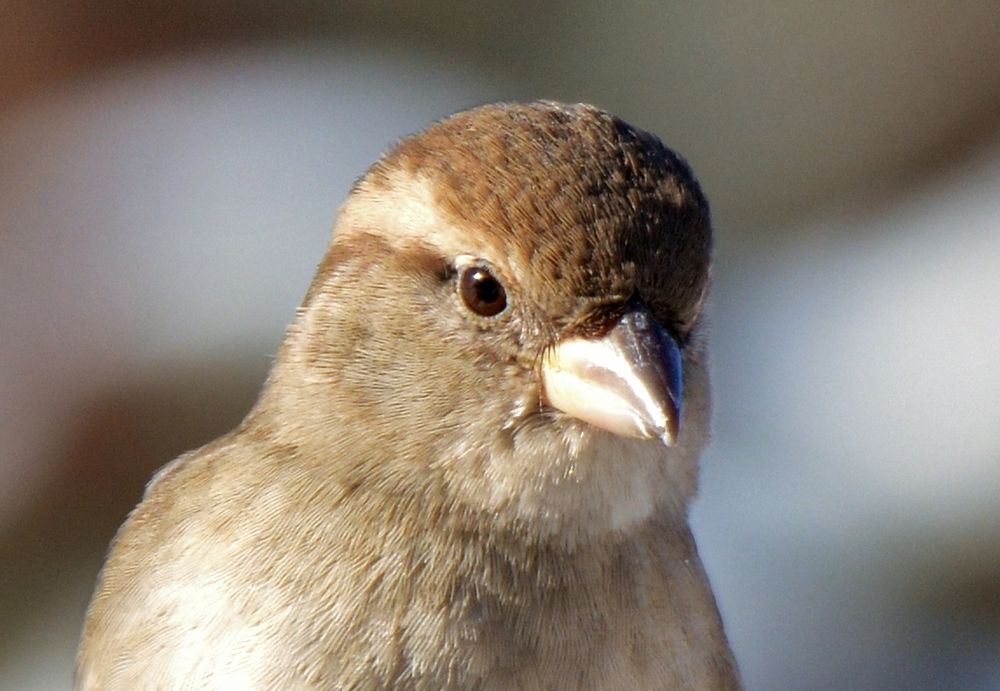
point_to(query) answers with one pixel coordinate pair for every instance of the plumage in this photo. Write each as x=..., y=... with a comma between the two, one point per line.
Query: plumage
x=414, y=502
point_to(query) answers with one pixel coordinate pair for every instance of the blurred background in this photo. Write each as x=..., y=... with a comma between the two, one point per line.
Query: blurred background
x=170, y=171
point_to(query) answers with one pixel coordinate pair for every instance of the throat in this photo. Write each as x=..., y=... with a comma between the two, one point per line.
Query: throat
x=576, y=487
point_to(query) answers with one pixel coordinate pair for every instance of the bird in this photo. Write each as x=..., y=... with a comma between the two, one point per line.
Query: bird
x=471, y=463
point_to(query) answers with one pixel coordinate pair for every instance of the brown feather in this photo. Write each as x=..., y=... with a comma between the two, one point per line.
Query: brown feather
x=400, y=510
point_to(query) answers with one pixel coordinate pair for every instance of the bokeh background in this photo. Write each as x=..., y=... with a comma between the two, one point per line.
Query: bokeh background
x=169, y=173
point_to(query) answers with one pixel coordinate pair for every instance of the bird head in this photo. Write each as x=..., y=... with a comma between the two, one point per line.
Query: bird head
x=509, y=317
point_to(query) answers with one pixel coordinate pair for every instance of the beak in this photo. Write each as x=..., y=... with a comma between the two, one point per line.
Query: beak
x=628, y=382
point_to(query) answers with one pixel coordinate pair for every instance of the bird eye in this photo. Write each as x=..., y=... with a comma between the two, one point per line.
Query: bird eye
x=482, y=292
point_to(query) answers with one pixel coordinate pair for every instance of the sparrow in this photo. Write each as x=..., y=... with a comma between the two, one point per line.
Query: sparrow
x=471, y=463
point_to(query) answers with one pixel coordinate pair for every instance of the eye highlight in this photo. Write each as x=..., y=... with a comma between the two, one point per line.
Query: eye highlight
x=481, y=291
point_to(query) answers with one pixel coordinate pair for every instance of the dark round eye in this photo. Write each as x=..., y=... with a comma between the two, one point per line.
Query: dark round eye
x=482, y=292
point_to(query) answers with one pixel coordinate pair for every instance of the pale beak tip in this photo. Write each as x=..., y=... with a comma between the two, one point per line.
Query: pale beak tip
x=667, y=427
x=670, y=431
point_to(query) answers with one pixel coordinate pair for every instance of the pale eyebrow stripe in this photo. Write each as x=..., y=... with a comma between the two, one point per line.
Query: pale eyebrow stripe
x=402, y=210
